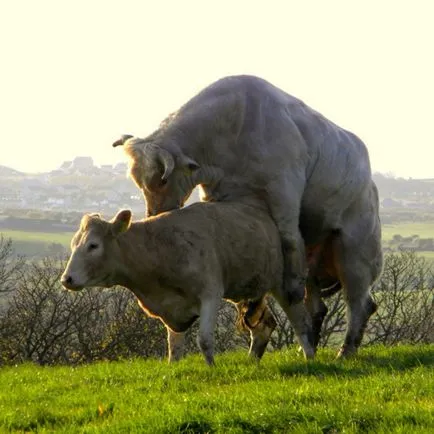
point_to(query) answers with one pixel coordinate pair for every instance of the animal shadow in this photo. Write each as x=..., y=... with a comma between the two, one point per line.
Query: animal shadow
x=362, y=364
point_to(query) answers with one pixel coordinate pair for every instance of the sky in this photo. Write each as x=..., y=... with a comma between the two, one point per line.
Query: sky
x=75, y=75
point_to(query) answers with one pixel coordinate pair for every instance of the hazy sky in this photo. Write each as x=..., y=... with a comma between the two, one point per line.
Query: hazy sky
x=77, y=74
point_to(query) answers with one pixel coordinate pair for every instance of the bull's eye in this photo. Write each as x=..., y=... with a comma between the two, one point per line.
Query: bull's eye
x=92, y=246
x=163, y=181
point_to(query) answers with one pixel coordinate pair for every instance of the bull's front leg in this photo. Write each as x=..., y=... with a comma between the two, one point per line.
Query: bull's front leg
x=285, y=210
x=175, y=344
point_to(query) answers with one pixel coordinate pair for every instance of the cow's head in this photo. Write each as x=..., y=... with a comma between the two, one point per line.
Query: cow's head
x=166, y=179
x=94, y=250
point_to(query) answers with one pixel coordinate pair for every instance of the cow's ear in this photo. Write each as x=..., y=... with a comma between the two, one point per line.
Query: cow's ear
x=121, y=222
x=188, y=165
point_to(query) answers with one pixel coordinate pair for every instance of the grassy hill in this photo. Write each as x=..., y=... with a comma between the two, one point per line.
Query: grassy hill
x=382, y=390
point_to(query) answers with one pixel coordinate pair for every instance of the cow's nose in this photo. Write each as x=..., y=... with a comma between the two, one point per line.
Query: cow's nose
x=66, y=281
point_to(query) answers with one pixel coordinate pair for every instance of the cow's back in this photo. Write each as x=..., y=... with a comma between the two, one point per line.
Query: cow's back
x=231, y=242
x=249, y=248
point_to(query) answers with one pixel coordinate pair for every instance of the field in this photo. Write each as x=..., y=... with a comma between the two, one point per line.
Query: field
x=382, y=390
x=37, y=243
x=33, y=243
x=63, y=238
x=424, y=230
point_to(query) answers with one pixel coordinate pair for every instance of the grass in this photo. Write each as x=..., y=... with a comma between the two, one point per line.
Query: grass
x=382, y=390
x=63, y=238
x=428, y=255
x=32, y=243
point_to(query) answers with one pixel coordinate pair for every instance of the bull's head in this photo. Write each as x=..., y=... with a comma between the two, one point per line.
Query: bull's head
x=94, y=250
x=166, y=179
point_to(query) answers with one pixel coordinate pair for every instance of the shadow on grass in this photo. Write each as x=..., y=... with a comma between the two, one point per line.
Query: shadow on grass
x=194, y=426
x=362, y=364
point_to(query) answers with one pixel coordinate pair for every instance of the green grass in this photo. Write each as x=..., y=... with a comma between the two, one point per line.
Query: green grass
x=382, y=390
x=33, y=243
x=423, y=229
x=428, y=255
x=63, y=238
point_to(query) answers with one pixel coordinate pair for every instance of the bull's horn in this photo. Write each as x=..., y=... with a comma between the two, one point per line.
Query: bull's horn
x=122, y=140
x=168, y=162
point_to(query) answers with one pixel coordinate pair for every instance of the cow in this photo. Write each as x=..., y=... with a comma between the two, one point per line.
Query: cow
x=242, y=139
x=180, y=264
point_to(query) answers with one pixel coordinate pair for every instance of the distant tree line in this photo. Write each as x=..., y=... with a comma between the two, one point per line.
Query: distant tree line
x=41, y=322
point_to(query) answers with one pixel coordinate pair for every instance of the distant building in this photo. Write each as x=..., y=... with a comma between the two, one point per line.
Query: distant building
x=82, y=164
x=66, y=165
x=120, y=167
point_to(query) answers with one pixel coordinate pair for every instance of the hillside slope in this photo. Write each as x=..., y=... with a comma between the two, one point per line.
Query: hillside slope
x=383, y=390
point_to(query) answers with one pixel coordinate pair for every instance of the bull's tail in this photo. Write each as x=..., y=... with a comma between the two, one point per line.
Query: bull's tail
x=331, y=290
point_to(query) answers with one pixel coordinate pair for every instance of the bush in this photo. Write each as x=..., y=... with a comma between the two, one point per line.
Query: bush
x=45, y=324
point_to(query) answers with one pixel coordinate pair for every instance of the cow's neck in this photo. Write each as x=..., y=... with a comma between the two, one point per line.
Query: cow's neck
x=136, y=247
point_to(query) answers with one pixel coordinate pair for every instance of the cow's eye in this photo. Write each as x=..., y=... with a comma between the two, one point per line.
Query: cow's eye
x=92, y=246
x=163, y=182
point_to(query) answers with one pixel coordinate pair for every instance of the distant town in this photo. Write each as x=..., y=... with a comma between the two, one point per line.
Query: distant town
x=81, y=186
x=54, y=202
x=77, y=185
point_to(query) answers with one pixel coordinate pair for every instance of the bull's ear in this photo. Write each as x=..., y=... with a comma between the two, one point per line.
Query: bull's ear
x=122, y=140
x=188, y=165
x=121, y=222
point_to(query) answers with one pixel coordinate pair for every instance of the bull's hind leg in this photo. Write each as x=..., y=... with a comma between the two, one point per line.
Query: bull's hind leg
x=359, y=266
x=359, y=310
x=175, y=344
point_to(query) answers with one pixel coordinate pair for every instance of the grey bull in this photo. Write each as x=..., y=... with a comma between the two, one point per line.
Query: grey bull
x=242, y=139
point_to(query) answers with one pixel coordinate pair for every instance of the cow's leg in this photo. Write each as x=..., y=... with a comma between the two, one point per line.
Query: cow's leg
x=316, y=308
x=175, y=344
x=257, y=318
x=284, y=203
x=208, y=319
x=260, y=334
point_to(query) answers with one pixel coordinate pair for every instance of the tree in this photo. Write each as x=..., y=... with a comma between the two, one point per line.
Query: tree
x=10, y=265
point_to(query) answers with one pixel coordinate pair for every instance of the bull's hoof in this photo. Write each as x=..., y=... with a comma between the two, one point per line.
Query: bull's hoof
x=309, y=354
x=253, y=358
